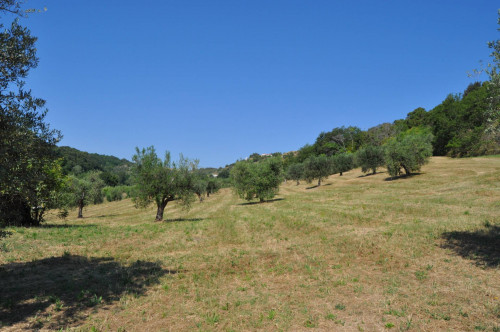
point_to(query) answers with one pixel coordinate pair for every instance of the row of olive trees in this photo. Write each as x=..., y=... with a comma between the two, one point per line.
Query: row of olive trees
x=161, y=181
x=407, y=152
x=155, y=181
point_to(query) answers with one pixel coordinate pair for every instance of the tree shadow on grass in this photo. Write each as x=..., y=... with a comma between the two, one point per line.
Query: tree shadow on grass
x=5, y=234
x=66, y=226
x=71, y=284
x=369, y=174
x=403, y=176
x=183, y=219
x=105, y=216
x=482, y=246
x=268, y=201
x=316, y=186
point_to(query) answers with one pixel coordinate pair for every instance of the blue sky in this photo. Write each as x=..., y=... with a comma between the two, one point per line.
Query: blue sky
x=219, y=80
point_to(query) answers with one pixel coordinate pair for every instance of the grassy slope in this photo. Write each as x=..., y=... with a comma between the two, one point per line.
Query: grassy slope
x=359, y=253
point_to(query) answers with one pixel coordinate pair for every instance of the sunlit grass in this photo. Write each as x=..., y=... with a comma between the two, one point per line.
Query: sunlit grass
x=359, y=253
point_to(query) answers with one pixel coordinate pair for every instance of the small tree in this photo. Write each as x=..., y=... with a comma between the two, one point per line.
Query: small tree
x=369, y=158
x=162, y=181
x=295, y=172
x=342, y=162
x=200, y=184
x=317, y=167
x=213, y=186
x=80, y=192
x=257, y=180
x=409, y=150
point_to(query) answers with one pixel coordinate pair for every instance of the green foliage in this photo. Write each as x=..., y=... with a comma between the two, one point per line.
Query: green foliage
x=319, y=167
x=29, y=174
x=162, y=181
x=213, y=186
x=295, y=172
x=80, y=192
x=257, y=180
x=492, y=127
x=338, y=140
x=200, y=184
x=379, y=134
x=369, y=158
x=115, y=171
x=116, y=193
x=342, y=162
x=409, y=151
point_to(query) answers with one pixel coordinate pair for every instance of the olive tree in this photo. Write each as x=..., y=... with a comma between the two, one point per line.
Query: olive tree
x=28, y=164
x=295, y=172
x=409, y=150
x=81, y=191
x=259, y=180
x=162, y=181
x=317, y=167
x=213, y=186
x=369, y=158
x=342, y=162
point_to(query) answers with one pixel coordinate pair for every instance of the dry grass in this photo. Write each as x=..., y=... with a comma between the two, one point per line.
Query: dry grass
x=359, y=253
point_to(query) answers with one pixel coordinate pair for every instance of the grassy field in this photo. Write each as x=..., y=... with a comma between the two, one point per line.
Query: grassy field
x=359, y=253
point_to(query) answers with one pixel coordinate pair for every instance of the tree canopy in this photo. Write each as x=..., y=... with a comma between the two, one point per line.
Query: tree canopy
x=259, y=180
x=162, y=181
x=29, y=174
x=408, y=151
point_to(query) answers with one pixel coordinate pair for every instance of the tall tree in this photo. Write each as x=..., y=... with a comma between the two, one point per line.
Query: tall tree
x=26, y=140
x=162, y=181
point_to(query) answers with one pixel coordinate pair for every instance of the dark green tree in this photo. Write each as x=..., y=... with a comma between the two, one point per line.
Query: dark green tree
x=162, y=181
x=408, y=151
x=213, y=186
x=295, y=172
x=200, y=185
x=317, y=167
x=369, y=158
x=378, y=135
x=342, y=162
x=27, y=158
x=259, y=180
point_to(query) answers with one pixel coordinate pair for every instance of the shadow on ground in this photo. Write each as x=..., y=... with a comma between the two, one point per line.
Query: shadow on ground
x=481, y=246
x=183, y=219
x=66, y=226
x=71, y=284
x=5, y=234
x=404, y=176
x=268, y=201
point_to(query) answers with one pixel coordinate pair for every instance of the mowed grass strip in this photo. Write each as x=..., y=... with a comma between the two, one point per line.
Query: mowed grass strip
x=359, y=253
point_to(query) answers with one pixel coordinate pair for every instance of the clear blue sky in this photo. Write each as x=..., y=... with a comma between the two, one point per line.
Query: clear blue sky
x=219, y=80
